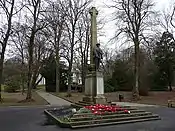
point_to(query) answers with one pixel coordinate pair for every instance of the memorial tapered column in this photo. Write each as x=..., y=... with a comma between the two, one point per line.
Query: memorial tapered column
x=93, y=40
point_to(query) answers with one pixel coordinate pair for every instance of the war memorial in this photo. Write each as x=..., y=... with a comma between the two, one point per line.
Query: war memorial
x=94, y=110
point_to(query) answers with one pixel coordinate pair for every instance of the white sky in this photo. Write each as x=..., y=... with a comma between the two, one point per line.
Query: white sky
x=109, y=28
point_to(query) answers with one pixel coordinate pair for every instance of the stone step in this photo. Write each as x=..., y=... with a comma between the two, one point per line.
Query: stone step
x=109, y=116
x=116, y=122
x=132, y=110
x=76, y=105
x=84, y=102
x=111, y=120
x=105, y=120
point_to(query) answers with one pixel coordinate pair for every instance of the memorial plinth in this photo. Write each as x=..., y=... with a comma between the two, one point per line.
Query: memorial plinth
x=94, y=88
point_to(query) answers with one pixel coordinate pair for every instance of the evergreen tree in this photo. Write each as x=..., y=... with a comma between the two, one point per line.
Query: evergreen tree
x=165, y=58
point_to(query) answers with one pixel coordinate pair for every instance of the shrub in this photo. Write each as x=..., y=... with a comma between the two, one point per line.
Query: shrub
x=11, y=85
x=109, y=88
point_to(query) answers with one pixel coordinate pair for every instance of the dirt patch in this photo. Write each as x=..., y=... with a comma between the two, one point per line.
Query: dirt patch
x=75, y=97
x=158, y=98
x=17, y=99
x=154, y=98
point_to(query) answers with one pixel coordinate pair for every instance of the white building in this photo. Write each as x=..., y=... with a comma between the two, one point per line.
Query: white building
x=76, y=75
x=43, y=81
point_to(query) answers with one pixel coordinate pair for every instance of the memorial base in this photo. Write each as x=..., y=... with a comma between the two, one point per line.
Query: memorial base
x=88, y=99
x=94, y=88
x=100, y=99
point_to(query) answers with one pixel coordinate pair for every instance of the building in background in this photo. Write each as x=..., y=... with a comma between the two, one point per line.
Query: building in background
x=76, y=79
x=76, y=75
x=43, y=81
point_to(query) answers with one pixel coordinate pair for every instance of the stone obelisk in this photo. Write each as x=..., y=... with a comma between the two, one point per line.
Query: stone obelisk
x=94, y=83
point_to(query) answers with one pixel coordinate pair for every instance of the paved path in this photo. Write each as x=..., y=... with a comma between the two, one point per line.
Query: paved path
x=56, y=101
x=51, y=99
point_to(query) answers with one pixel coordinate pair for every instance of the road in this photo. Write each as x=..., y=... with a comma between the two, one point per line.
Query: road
x=33, y=119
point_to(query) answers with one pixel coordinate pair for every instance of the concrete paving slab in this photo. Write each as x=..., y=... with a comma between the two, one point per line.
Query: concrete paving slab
x=53, y=100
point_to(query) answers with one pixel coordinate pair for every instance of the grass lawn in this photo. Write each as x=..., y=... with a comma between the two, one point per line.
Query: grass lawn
x=13, y=99
x=40, y=87
x=2, y=87
x=154, y=98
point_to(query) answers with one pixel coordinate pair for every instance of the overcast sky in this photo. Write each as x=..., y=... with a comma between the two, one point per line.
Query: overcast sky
x=109, y=28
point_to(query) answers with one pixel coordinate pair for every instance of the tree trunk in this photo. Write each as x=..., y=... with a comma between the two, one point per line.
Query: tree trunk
x=29, y=85
x=57, y=58
x=170, y=86
x=23, y=72
x=34, y=79
x=36, y=11
x=22, y=78
x=83, y=80
x=135, y=92
x=57, y=71
x=84, y=71
x=30, y=65
x=23, y=82
x=57, y=79
x=1, y=68
x=29, y=91
x=69, y=81
x=70, y=74
x=85, y=60
x=37, y=82
x=0, y=92
x=83, y=76
x=170, y=78
x=71, y=60
x=1, y=71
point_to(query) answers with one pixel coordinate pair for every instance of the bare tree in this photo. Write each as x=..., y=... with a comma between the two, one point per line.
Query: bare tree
x=132, y=18
x=172, y=17
x=41, y=52
x=108, y=61
x=165, y=21
x=7, y=10
x=84, y=44
x=56, y=18
x=36, y=24
x=19, y=48
x=76, y=8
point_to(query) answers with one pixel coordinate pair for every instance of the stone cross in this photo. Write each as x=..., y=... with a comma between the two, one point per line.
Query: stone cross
x=93, y=12
x=94, y=83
